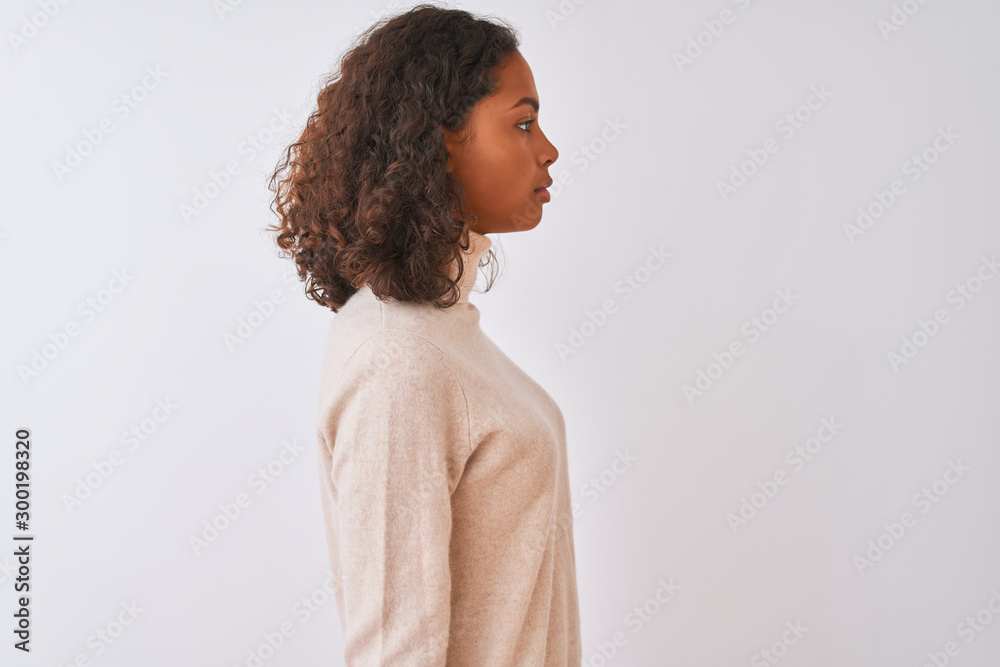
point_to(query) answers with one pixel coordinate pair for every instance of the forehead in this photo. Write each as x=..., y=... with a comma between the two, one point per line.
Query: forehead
x=516, y=80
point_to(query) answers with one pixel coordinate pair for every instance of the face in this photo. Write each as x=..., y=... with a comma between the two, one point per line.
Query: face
x=505, y=158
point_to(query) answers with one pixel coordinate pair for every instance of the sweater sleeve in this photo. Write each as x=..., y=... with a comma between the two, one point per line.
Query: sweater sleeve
x=398, y=437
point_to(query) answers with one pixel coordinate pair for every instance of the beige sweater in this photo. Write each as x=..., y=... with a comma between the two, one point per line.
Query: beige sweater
x=445, y=491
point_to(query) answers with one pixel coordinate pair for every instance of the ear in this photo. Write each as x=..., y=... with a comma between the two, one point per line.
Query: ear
x=449, y=144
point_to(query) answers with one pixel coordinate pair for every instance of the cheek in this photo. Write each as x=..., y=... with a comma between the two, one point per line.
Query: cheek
x=511, y=165
x=497, y=172
x=490, y=170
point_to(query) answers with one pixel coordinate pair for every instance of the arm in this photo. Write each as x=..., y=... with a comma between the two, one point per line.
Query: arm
x=399, y=437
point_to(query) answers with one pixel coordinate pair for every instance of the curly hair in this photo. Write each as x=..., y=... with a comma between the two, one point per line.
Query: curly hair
x=363, y=195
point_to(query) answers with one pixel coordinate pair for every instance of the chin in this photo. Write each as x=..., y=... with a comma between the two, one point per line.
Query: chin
x=524, y=224
x=523, y=221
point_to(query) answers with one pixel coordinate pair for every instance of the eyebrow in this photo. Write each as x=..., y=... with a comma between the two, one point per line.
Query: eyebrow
x=527, y=100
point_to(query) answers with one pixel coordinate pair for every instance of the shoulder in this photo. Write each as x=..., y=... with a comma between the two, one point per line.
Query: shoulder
x=390, y=355
x=401, y=386
x=403, y=372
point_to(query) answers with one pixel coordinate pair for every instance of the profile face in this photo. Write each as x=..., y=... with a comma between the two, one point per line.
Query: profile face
x=504, y=163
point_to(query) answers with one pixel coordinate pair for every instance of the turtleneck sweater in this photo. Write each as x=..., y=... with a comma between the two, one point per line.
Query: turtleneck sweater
x=445, y=491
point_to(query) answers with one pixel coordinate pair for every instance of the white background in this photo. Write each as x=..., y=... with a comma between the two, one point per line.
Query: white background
x=682, y=129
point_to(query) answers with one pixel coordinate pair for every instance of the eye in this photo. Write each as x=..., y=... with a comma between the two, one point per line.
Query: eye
x=528, y=122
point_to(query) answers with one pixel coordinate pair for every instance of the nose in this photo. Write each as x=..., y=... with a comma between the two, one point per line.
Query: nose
x=549, y=153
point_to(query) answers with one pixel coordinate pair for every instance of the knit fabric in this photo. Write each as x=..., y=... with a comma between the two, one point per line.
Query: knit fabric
x=445, y=491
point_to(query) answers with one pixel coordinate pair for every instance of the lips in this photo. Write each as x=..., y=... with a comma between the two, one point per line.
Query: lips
x=546, y=184
x=544, y=193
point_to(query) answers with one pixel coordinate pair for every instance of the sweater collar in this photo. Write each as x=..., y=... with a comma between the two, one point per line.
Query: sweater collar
x=478, y=245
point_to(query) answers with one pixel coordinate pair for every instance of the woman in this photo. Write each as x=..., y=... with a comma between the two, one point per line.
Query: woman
x=443, y=465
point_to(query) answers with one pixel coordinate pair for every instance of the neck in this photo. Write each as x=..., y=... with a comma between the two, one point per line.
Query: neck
x=478, y=245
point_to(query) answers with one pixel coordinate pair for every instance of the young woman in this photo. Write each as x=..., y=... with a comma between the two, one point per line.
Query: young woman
x=443, y=465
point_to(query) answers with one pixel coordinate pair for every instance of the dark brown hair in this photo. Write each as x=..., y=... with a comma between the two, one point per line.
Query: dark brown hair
x=363, y=195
